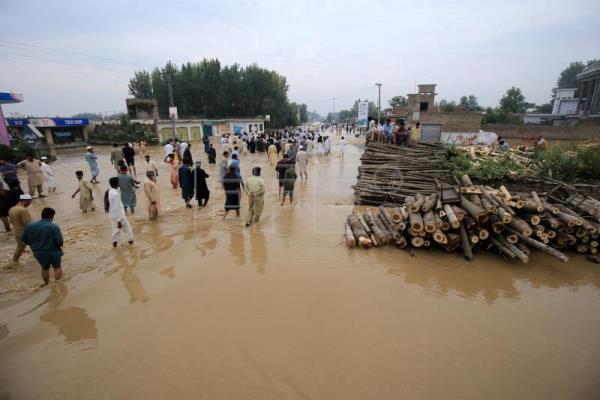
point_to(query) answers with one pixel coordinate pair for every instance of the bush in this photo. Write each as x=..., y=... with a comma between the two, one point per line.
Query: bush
x=488, y=169
x=568, y=163
x=17, y=152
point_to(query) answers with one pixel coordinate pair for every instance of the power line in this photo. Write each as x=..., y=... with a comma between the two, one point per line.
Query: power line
x=63, y=62
x=28, y=45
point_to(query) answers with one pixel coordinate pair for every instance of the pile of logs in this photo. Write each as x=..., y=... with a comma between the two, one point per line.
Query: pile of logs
x=484, y=218
x=388, y=173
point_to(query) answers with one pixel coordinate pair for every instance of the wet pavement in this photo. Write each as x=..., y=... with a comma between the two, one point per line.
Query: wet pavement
x=205, y=308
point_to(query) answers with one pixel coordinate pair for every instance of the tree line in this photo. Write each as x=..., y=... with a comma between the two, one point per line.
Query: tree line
x=208, y=89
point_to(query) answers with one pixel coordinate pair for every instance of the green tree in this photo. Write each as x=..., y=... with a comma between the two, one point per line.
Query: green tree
x=513, y=101
x=303, y=113
x=447, y=106
x=470, y=103
x=140, y=85
x=398, y=101
x=568, y=76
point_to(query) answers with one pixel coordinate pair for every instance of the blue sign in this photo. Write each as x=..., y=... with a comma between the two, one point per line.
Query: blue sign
x=16, y=121
x=71, y=121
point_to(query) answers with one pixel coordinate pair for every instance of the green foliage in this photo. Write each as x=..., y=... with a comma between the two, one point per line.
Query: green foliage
x=398, y=101
x=208, y=89
x=513, y=101
x=470, y=103
x=16, y=152
x=499, y=116
x=487, y=169
x=568, y=163
x=568, y=76
x=140, y=85
x=447, y=106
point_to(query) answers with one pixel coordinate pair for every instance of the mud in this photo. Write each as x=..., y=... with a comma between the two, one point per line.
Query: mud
x=205, y=308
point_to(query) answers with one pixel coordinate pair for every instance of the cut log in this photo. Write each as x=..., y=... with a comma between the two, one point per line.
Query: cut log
x=452, y=219
x=540, y=246
x=521, y=226
x=417, y=241
x=359, y=232
x=429, y=203
x=466, y=246
x=452, y=242
x=350, y=239
x=502, y=249
x=537, y=201
x=533, y=219
x=505, y=216
x=381, y=236
x=512, y=238
x=429, y=222
x=416, y=221
x=439, y=236
x=459, y=212
x=483, y=234
x=416, y=207
x=523, y=247
x=496, y=223
x=474, y=210
x=514, y=249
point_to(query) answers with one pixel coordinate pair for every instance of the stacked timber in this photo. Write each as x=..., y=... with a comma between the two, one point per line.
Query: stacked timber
x=388, y=173
x=486, y=218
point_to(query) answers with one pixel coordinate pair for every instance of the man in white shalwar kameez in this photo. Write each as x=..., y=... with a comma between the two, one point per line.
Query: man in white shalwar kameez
x=114, y=207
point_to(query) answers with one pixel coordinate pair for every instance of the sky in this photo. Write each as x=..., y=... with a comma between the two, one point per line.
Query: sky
x=68, y=57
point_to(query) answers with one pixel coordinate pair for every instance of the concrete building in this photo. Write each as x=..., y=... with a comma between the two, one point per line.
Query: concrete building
x=195, y=129
x=7, y=98
x=421, y=108
x=589, y=89
x=53, y=132
x=565, y=107
x=142, y=109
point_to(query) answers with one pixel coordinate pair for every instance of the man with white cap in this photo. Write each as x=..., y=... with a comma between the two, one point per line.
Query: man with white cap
x=114, y=207
x=19, y=217
x=302, y=163
x=48, y=175
x=91, y=159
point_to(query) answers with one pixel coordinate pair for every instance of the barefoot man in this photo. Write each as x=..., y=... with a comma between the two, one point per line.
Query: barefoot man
x=45, y=240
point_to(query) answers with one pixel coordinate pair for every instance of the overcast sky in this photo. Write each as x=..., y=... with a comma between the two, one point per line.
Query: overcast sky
x=74, y=56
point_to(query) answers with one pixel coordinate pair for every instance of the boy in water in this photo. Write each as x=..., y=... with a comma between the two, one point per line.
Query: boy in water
x=86, y=198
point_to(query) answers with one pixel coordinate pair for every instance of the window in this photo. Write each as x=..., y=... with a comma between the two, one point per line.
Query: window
x=424, y=106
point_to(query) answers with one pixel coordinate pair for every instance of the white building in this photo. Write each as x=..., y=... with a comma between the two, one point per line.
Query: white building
x=566, y=105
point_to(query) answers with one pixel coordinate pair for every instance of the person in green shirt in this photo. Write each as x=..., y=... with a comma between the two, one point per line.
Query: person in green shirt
x=289, y=180
x=45, y=240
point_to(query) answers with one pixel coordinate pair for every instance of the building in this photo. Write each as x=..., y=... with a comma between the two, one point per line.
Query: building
x=195, y=129
x=49, y=131
x=7, y=98
x=589, y=89
x=565, y=107
x=142, y=109
x=435, y=124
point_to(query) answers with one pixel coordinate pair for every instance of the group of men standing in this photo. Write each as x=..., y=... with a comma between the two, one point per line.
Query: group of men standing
x=394, y=133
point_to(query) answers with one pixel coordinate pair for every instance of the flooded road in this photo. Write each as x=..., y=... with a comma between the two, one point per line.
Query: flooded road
x=204, y=308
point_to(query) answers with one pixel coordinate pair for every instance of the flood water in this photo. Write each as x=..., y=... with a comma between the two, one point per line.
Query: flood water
x=207, y=309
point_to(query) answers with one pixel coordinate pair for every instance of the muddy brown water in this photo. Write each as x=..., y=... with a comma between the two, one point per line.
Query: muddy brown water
x=206, y=309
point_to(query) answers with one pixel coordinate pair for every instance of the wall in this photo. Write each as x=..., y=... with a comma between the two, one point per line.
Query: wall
x=455, y=121
x=588, y=130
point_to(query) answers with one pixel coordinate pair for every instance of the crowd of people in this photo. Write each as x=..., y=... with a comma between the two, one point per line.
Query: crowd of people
x=287, y=152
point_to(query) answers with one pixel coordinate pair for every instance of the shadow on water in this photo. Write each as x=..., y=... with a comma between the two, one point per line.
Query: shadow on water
x=73, y=322
x=489, y=275
x=128, y=260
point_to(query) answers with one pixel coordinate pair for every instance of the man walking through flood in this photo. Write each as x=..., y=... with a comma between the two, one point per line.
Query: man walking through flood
x=152, y=195
x=302, y=162
x=45, y=239
x=255, y=188
x=92, y=160
x=35, y=176
x=19, y=217
x=116, y=155
x=289, y=180
x=114, y=207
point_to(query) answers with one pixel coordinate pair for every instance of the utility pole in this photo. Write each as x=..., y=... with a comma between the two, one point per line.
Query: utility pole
x=378, y=102
x=171, y=102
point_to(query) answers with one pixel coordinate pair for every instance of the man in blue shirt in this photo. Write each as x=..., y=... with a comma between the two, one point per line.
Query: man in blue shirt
x=388, y=129
x=46, y=242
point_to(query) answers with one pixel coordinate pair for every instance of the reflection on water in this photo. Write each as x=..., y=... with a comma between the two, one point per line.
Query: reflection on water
x=168, y=272
x=236, y=244
x=3, y=331
x=73, y=323
x=128, y=260
x=258, y=248
x=490, y=276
